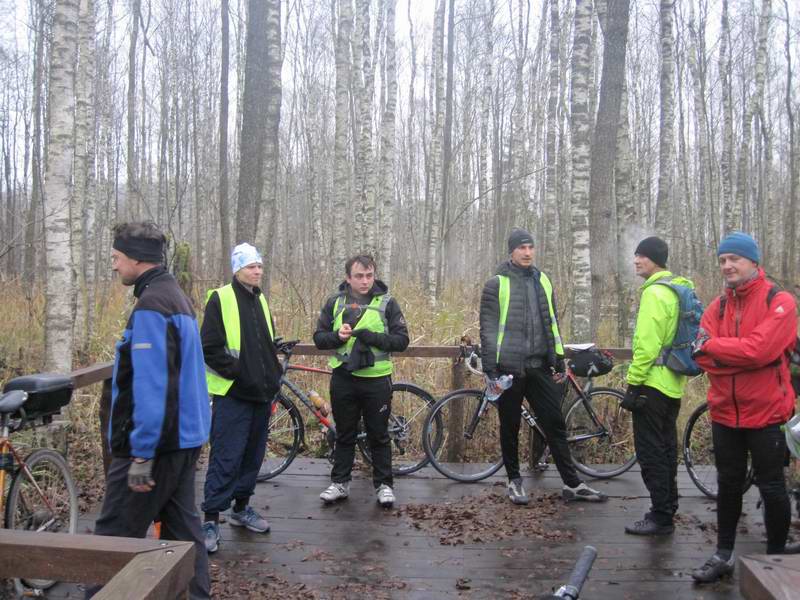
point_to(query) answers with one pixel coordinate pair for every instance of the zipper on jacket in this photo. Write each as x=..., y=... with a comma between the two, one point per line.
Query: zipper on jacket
x=736, y=315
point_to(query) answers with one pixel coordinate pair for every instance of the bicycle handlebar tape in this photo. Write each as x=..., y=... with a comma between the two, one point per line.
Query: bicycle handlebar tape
x=579, y=575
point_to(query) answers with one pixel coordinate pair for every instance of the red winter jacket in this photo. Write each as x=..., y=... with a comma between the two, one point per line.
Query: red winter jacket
x=746, y=356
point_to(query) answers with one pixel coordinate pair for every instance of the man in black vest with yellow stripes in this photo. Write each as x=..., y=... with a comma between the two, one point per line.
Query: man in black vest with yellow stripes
x=363, y=324
x=520, y=337
x=243, y=374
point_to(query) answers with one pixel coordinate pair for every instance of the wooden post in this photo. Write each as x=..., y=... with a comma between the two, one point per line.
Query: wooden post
x=454, y=449
x=105, y=419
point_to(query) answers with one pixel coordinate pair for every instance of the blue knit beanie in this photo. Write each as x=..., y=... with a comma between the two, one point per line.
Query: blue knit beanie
x=740, y=244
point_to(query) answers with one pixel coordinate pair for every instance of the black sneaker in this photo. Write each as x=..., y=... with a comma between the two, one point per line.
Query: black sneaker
x=714, y=569
x=792, y=548
x=649, y=527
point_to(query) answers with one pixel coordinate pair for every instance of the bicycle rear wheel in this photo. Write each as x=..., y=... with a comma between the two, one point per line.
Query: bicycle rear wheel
x=600, y=434
x=698, y=453
x=43, y=497
x=459, y=455
x=410, y=406
x=285, y=434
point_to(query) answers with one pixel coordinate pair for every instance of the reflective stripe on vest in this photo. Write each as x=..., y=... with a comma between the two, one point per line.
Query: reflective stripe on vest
x=229, y=307
x=504, y=296
x=373, y=318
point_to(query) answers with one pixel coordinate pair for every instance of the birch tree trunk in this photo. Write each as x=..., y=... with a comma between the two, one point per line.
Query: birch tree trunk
x=790, y=267
x=581, y=131
x=83, y=200
x=364, y=92
x=132, y=199
x=666, y=144
x=739, y=215
x=486, y=237
x=434, y=218
x=604, y=149
x=224, y=214
x=730, y=216
x=388, y=134
x=340, y=165
x=268, y=214
x=58, y=188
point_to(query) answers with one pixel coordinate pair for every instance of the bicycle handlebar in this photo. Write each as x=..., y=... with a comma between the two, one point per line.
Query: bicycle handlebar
x=579, y=575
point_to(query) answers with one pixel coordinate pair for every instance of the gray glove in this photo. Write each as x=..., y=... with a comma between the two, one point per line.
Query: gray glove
x=140, y=478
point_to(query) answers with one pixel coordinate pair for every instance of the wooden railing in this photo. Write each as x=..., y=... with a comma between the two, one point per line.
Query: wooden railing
x=127, y=568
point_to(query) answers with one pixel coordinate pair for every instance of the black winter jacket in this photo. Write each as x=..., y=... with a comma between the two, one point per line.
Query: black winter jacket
x=256, y=373
x=395, y=340
x=528, y=339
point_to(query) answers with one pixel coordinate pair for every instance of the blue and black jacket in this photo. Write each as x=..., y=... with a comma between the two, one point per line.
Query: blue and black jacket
x=159, y=398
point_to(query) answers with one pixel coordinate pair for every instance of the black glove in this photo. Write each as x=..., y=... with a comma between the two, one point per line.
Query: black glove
x=365, y=335
x=361, y=357
x=633, y=400
x=140, y=475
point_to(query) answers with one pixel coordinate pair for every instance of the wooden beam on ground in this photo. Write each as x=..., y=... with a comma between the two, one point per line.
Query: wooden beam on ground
x=130, y=568
x=773, y=577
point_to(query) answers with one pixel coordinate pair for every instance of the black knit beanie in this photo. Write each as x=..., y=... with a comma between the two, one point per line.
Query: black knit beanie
x=517, y=238
x=655, y=249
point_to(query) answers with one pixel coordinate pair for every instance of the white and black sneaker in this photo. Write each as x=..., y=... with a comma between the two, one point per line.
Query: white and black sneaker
x=385, y=495
x=335, y=491
x=516, y=492
x=582, y=492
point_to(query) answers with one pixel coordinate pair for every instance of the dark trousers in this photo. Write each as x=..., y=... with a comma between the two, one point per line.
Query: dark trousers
x=127, y=513
x=767, y=448
x=351, y=399
x=655, y=435
x=544, y=397
x=238, y=443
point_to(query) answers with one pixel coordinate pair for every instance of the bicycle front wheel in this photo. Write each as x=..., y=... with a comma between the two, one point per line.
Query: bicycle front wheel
x=43, y=497
x=600, y=434
x=698, y=453
x=470, y=446
x=410, y=406
x=285, y=434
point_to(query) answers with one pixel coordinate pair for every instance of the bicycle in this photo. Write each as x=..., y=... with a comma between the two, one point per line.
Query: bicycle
x=599, y=430
x=286, y=433
x=42, y=495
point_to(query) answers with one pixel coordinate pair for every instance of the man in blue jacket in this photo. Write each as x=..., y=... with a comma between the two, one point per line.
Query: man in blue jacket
x=160, y=416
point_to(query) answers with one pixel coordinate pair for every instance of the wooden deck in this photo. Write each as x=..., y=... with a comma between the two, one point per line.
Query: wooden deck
x=356, y=549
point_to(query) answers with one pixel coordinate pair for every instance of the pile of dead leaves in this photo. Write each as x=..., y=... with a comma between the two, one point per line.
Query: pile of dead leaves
x=488, y=517
x=235, y=579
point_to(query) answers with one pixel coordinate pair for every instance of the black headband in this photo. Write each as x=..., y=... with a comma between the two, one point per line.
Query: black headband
x=144, y=249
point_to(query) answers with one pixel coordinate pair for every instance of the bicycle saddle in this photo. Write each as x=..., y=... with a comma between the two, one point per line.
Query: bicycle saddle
x=11, y=401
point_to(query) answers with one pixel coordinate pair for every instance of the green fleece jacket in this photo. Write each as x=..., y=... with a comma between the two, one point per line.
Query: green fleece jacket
x=656, y=325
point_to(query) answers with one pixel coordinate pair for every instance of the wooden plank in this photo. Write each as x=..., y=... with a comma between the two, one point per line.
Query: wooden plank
x=93, y=374
x=765, y=577
x=80, y=558
x=160, y=574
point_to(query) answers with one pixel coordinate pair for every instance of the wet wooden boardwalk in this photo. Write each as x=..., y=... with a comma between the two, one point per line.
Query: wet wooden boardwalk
x=357, y=545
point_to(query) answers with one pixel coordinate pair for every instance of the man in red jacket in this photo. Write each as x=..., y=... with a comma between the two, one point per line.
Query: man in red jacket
x=743, y=345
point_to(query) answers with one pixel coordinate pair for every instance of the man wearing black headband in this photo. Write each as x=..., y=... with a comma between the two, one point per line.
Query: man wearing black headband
x=160, y=415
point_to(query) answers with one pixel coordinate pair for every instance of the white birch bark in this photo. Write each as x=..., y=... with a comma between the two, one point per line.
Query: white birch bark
x=58, y=188
x=388, y=133
x=666, y=144
x=580, y=123
x=341, y=169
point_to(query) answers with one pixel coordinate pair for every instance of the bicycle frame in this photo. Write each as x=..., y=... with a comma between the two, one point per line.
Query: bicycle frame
x=7, y=449
x=299, y=393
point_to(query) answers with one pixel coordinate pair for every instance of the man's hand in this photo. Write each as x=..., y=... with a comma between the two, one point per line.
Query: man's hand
x=140, y=477
x=633, y=400
x=345, y=331
x=699, y=342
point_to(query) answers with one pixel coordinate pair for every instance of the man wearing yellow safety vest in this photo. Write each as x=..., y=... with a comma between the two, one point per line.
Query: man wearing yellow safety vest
x=243, y=374
x=520, y=337
x=363, y=324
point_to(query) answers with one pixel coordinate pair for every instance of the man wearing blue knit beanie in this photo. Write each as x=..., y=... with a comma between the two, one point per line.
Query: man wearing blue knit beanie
x=743, y=345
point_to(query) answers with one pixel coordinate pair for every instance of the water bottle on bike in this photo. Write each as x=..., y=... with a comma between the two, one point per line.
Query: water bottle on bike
x=495, y=387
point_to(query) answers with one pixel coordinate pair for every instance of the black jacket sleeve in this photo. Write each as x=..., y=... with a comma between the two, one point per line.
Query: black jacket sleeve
x=489, y=320
x=324, y=336
x=396, y=340
x=212, y=335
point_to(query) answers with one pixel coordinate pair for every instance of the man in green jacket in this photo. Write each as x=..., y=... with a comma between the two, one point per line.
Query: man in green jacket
x=654, y=391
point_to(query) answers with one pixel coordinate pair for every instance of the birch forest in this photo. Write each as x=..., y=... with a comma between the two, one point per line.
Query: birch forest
x=420, y=131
